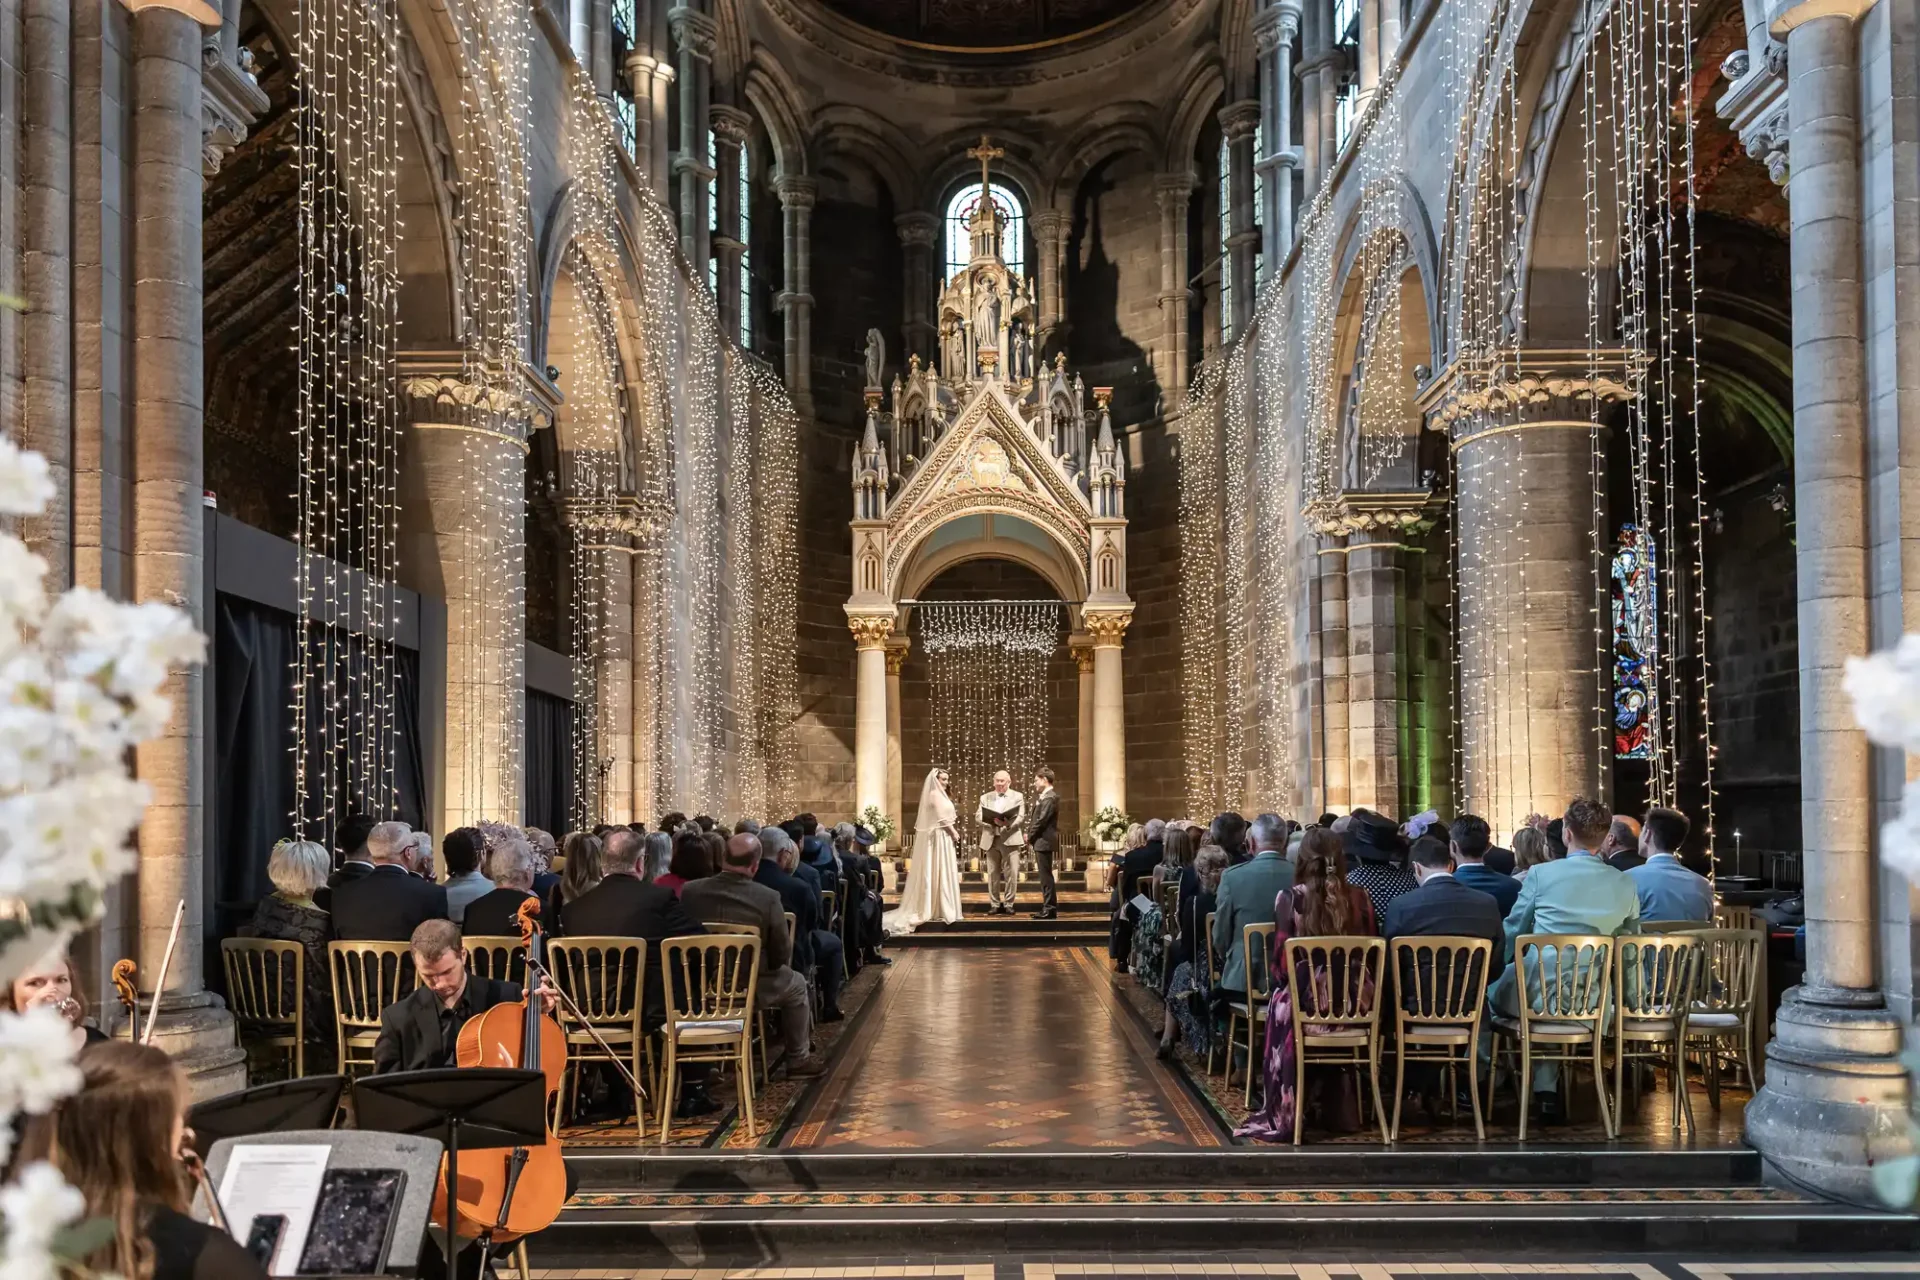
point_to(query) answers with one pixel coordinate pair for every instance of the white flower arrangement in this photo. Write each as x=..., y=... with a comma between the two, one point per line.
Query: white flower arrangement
x=1885, y=689
x=80, y=681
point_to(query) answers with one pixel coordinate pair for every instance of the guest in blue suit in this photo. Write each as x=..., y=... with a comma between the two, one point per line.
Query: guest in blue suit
x=1667, y=890
x=1470, y=841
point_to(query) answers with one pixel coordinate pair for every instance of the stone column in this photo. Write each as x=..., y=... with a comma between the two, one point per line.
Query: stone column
x=648, y=706
x=1173, y=190
x=1376, y=688
x=1389, y=20
x=599, y=51
x=920, y=261
x=1368, y=72
x=1274, y=31
x=614, y=687
x=897, y=647
x=1108, y=629
x=1238, y=123
x=1532, y=717
x=731, y=128
x=1082, y=647
x=650, y=78
x=168, y=535
x=1050, y=246
x=1833, y=1102
x=464, y=540
x=870, y=635
x=695, y=34
x=1329, y=703
x=46, y=264
x=796, y=300
x=1318, y=61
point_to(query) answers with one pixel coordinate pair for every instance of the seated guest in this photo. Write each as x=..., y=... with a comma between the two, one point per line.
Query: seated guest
x=1188, y=1016
x=816, y=851
x=716, y=848
x=118, y=1143
x=624, y=905
x=1622, y=848
x=1141, y=850
x=465, y=881
x=1229, y=831
x=1470, y=843
x=1499, y=860
x=1247, y=895
x=54, y=981
x=1377, y=858
x=689, y=862
x=422, y=1031
x=671, y=822
x=1443, y=903
x=1323, y=903
x=1575, y=894
x=746, y=827
x=350, y=840
x=1667, y=890
x=815, y=951
x=421, y=860
x=298, y=868
x=510, y=863
x=705, y=823
x=859, y=870
x=657, y=854
x=545, y=878
x=1177, y=849
x=1531, y=848
x=732, y=896
x=582, y=873
x=387, y=904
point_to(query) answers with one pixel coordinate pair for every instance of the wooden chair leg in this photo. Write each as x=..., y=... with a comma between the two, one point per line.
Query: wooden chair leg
x=1299, y=1086
x=666, y=1094
x=1619, y=1066
x=520, y=1261
x=1373, y=1078
x=1399, y=1089
x=1600, y=1086
x=1473, y=1087
x=744, y=1068
x=1682, y=1098
x=1251, y=1024
x=1526, y=1084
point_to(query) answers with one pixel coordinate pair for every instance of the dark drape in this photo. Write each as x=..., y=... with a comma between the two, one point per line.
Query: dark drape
x=548, y=758
x=250, y=801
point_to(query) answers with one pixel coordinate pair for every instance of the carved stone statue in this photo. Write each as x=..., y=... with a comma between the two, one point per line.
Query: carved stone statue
x=876, y=357
x=986, y=316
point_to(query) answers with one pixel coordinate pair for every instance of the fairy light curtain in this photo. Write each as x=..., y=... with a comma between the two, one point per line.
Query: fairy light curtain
x=989, y=699
x=344, y=710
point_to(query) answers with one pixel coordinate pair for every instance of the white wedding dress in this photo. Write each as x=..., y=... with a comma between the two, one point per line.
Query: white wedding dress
x=933, y=873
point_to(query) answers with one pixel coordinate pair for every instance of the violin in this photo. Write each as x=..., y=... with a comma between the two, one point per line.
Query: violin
x=505, y=1194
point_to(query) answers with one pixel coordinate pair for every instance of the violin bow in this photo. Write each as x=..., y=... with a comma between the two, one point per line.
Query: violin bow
x=166, y=962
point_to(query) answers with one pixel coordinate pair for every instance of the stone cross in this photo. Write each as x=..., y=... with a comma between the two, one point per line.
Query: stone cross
x=985, y=153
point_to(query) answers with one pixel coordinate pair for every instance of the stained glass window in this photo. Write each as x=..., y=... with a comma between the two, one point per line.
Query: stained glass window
x=713, y=210
x=1635, y=642
x=746, y=249
x=1013, y=235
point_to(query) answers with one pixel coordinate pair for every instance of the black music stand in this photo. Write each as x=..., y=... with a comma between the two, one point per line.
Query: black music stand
x=480, y=1108
x=307, y=1103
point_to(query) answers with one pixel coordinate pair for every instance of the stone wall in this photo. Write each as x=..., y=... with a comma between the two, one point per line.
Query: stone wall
x=1113, y=284
x=823, y=736
x=1156, y=759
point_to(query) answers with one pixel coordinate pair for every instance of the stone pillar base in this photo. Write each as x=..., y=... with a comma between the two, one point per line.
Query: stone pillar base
x=1835, y=1097
x=198, y=1032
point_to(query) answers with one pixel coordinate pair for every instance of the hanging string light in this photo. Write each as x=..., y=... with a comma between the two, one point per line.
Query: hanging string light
x=346, y=421
x=990, y=701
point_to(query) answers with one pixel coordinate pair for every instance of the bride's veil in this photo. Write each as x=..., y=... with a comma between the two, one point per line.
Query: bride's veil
x=935, y=807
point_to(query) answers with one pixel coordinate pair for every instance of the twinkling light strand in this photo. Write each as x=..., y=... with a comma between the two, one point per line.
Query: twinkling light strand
x=346, y=425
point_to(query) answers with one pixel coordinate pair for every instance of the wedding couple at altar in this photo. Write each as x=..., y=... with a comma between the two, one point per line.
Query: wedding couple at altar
x=1007, y=825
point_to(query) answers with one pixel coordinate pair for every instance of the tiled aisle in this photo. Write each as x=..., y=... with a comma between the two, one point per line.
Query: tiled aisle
x=1000, y=1048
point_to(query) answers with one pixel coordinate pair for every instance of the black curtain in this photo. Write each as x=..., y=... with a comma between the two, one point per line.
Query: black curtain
x=250, y=804
x=548, y=758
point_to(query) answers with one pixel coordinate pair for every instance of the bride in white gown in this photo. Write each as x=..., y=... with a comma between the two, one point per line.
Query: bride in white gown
x=933, y=874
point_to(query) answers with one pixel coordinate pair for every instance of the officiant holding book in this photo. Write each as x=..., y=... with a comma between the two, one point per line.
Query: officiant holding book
x=1003, y=813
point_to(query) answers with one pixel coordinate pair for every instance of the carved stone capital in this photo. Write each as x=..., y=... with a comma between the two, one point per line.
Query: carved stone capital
x=1394, y=513
x=918, y=230
x=1108, y=627
x=1082, y=649
x=442, y=392
x=1767, y=142
x=230, y=101
x=731, y=126
x=897, y=648
x=1755, y=105
x=200, y=11
x=1048, y=224
x=1173, y=190
x=870, y=631
x=1527, y=388
x=797, y=192
x=1238, y=120
x=1276, y=26
x=693, y=31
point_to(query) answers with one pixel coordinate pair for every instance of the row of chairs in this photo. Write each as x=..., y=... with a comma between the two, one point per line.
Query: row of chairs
x=1657, y=996
x=710, y=982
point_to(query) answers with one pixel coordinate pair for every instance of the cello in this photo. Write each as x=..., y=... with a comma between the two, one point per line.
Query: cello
x=512, y=1192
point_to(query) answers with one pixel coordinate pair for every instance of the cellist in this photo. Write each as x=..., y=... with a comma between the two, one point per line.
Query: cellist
x=421, y=1032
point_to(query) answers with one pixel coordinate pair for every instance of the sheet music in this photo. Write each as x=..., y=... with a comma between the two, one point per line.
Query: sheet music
x=1141, y=902
x=270, y=1178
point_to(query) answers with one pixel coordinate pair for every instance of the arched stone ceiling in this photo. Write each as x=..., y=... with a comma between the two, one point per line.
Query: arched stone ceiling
x=984, y=25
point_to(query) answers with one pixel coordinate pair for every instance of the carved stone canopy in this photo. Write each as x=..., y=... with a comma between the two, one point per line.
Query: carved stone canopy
x=1408, y=511
x=1521, y=388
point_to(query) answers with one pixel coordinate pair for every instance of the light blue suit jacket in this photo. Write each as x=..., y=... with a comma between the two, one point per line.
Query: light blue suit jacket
x=1668, y=891
x=1247, y=894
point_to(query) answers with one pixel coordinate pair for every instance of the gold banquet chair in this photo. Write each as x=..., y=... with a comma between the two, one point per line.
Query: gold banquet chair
x=606, y=977
x=498, y=956
x=267, y=991
x=1205, y=943
x=760, y=1014
x=1563, y=982
x=710, y=981
x=1169, y=895
x=1336, y=987
x=1653, y=987
x=1729, y=1001
x=1255, y=939
x=1440, y=990
x=367, y=977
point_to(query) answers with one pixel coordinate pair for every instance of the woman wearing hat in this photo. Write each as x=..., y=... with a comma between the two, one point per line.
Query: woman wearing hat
x=1377, y=861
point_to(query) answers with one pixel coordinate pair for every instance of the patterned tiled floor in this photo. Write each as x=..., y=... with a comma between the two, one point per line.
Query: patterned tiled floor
x=1332, y=1269
x=1494, y=1197
x=1000, y=1049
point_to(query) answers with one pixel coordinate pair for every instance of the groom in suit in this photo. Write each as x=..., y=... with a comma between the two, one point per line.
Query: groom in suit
x=1043, y=837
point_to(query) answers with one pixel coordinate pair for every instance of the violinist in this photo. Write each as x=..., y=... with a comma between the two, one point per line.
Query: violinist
x=421, y=1032
x=120, y=1142
x=52, y=982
